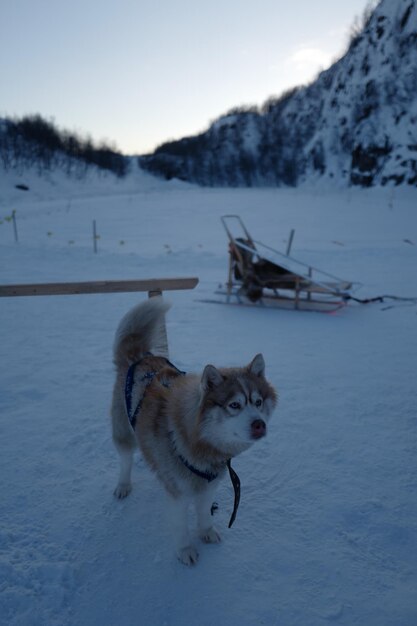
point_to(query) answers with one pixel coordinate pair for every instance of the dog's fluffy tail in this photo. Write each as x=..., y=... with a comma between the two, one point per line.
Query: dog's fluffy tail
x=141, y=330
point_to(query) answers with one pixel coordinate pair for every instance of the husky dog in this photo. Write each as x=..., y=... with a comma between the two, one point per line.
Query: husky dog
x=187, y=426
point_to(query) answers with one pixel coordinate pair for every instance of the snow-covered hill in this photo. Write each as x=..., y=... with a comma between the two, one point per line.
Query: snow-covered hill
x=327, y=527
x=355, y=124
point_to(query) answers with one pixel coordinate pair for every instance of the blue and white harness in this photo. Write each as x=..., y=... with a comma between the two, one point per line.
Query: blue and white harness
x=133, y=413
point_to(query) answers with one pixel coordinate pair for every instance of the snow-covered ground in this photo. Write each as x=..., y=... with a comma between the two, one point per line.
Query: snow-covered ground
x=327, y=527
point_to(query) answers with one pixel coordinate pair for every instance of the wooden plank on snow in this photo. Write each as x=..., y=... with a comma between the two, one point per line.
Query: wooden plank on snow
x=98, y=286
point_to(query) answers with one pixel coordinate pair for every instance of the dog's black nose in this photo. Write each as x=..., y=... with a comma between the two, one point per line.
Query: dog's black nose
x=258, y=429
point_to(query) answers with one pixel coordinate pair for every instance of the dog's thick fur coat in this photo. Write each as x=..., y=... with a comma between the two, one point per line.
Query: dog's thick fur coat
x=192, y=421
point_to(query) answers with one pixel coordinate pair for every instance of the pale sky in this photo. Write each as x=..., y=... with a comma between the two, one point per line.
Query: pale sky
x=141, y=72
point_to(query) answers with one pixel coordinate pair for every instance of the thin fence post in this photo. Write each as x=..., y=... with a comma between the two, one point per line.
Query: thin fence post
x=16, y=238
x=95, y=236
x=290, y=241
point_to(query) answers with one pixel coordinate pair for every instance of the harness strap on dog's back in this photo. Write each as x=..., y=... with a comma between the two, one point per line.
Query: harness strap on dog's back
x=130, y=379
x=129, y=384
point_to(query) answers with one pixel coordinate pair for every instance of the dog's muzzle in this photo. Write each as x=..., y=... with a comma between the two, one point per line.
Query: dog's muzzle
x=258, y=429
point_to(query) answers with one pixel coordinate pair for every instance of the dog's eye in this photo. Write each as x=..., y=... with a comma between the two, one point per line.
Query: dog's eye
x=258, y=402
x=235, y=406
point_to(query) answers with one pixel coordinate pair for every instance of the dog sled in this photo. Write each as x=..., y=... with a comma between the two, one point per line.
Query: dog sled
x=260, y=276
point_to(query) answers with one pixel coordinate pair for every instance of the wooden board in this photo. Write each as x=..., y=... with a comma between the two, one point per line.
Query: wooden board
x=98, y=286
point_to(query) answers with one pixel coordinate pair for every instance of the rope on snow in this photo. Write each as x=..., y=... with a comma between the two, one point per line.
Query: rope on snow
x=382, y=299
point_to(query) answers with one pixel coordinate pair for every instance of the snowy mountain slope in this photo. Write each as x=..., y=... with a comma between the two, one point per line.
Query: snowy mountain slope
x=374, y=94
x=355, y=124
x=326, y=531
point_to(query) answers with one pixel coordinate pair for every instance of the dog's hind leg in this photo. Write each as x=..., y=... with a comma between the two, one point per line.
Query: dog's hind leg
x=124, y=486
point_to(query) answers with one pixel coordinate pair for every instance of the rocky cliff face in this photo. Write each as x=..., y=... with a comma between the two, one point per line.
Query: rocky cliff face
x=355, y=124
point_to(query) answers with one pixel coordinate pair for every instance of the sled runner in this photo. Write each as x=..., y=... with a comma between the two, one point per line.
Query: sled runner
x=261, y=276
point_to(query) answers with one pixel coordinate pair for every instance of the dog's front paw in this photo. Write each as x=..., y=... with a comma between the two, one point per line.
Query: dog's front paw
x=122, y=490
x=210, y=535
x=188, y=555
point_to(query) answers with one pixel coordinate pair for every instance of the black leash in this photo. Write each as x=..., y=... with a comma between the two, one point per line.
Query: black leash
x=236, y=486
x=209, y=476
x=365, y=300
x=380, y=299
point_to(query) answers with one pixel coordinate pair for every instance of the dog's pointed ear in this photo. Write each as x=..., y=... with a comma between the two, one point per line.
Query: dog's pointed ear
x=211, y=378
x=257, y=366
